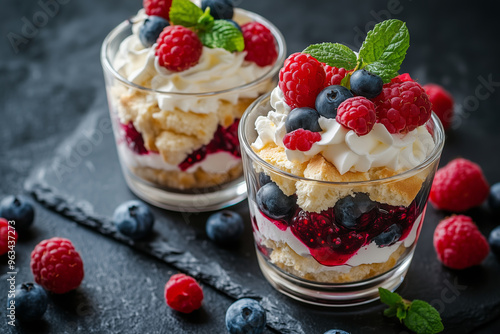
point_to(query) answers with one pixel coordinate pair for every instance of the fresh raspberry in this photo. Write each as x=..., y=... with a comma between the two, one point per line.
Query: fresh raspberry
x=178, y=48
x=459, y=186
x=183, y=293
x=442, y=103
x=459, y=244
x=402, y=78
x=56, y=265
x=357, y=114
x=159, y=8
x=334, y=75
x=402, y=106
x=4, y=236
x=301, y=139
x=259, y=44
x=301, y=79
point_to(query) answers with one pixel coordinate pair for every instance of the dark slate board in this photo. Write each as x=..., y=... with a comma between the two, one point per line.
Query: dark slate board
x=52, y=99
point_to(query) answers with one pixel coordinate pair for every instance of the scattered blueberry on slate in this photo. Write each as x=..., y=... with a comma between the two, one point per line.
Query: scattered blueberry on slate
x=224, y=227
x=264, y=178
x=151, y=30
x=219, y=9
x=350, y=208
x=494, y=241
x=330, y=98
x=133, y=219
x=245, y=316
x=364, y=83
x=273, y=202
x=302, y=118
x=18, y=208
x=336, y=331
x=494, y=198
x=30, y=302
x=389, y=236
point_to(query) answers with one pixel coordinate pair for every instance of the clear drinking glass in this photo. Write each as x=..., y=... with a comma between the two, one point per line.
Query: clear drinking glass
x=211, y=176
x=314, y=258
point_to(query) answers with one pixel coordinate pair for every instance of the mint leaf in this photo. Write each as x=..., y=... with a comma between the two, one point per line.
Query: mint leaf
x=384, y=48
x=333, y=54
x=184, y=13
x=206, y=20
x=423, y=318
x=389, y=298
x=391, y=312
x=223, y=34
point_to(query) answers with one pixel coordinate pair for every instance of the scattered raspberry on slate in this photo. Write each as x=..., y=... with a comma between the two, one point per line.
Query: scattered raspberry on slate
x=178, y=48
x=442, y=103
x=157, y=7
x=357, y=114
x=259, y=44
x=301, y=139
x=183, y=293
x=56, y=265
x=459, y=244
x=301, y=79
x=402, y=106
x=459, y=186
x=4, y=236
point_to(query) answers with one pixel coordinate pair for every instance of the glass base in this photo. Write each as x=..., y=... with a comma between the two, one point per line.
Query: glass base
x=333, y=295
x=199, y=201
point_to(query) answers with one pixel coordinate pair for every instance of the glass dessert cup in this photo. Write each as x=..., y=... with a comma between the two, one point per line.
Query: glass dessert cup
x=326, y=257
x=153, y=158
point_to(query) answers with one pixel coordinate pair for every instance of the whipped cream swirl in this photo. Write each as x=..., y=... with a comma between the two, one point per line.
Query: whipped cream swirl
x=218, y=69
x=343, y=147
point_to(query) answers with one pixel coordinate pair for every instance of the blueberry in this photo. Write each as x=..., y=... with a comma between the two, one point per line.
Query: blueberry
x=151, y=29
x=494, y=240
x=494, y=198
x=133, y=219
x=330, y=98
x=389, y=236
x=18, y=208
x=349, y=209
x=302, y=118
x=364, y=83
x=224, y=227
x=264, y=178
x=245, y=316
x=30, y=301
x=219, y=9
x=273, y=202
x=336, y=331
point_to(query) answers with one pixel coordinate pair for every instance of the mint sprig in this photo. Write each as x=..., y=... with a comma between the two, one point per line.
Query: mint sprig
x=184, y=13
x=333, y=54
x=418, y=316
x=212, y=33
x=382, y=52
x=384, y=48
x=223, y=34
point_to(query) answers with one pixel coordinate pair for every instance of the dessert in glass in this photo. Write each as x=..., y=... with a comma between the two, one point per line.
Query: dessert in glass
x=179, y=77
x=339, y=160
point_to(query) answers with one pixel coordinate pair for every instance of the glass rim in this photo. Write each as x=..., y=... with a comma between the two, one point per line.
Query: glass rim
x=431, y=158
x=280, y=42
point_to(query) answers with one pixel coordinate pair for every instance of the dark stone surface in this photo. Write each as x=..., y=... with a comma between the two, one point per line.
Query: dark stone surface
x=53, y=107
